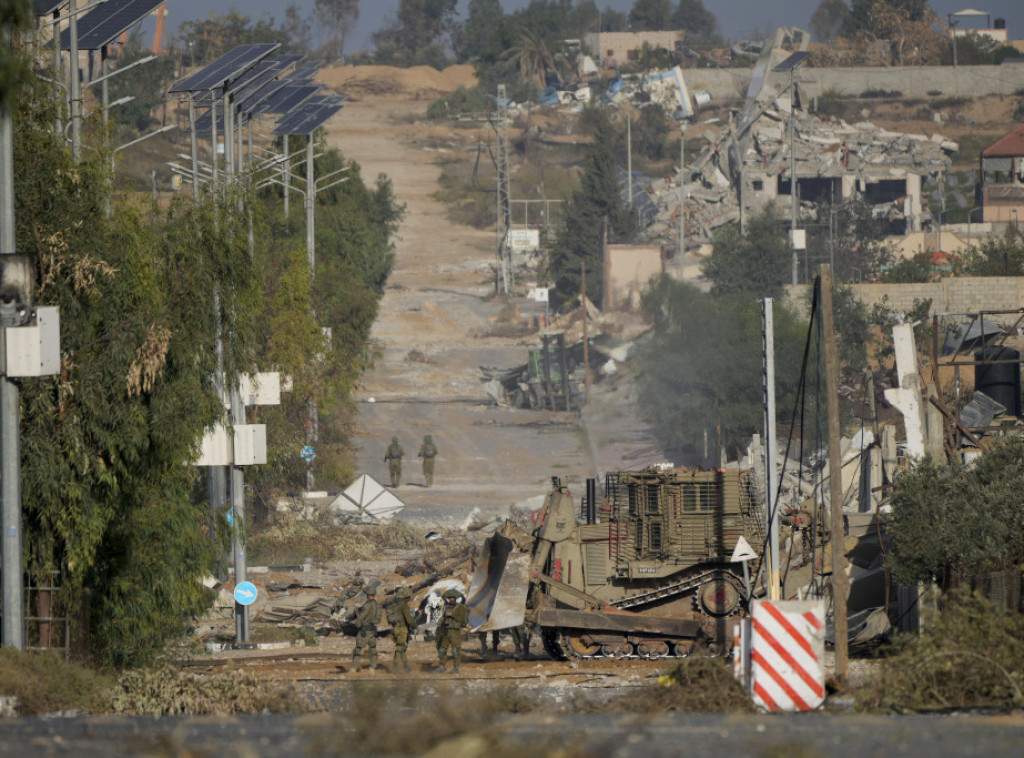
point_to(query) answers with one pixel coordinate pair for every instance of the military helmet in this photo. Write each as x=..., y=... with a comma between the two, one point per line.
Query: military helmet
x=428, y=439
x=394, y=439
x=371, y=589
x=404, y=592
x=452, y=593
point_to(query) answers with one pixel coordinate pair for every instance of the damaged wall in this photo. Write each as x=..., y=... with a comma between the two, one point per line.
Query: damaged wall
x=950, y=295
x=910, y=81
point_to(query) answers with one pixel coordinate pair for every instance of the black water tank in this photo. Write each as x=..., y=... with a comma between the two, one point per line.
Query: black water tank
x=1001, y=382
x=1000, y=23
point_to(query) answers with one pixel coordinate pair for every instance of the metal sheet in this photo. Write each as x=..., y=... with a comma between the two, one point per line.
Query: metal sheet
x=107, y=22
x=497, y=593
x=227, y=67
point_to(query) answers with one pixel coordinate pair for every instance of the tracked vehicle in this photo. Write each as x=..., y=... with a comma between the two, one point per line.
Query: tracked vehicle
x=648, y=575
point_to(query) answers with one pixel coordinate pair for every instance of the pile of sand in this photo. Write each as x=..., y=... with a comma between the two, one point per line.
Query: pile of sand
x=388, y=80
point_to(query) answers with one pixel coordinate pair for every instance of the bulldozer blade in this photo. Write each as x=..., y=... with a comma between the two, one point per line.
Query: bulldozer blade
x=497, y=592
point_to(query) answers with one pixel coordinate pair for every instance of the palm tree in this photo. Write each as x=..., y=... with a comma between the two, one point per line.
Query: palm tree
x=533, y=58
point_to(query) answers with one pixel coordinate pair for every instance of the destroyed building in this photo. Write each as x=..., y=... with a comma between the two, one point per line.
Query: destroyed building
x=749, y=161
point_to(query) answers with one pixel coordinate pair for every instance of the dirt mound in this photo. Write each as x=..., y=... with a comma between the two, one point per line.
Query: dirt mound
x=388, y=80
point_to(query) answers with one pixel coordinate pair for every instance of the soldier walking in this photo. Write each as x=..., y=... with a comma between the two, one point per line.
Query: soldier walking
x=449, y=630
x=393, y=457
x=521, y=638
x=428, y=451
x=367, y=618
x=402, y=623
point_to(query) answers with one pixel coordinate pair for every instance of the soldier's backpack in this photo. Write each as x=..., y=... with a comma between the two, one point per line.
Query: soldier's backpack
x=393, y=611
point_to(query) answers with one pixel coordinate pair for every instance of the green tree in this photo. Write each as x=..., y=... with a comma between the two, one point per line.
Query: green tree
x=994, y=256
x=297, y=27
x=534, y=60
x=828, y=19
x=860, y=17
x=595, y=206
x=756, y=265
x=481, y=30
x=14, y=69
x=418, y=25
x=336, y=19
x=700, y=371
x=650, y=15
x=852, y=239
x=208, y=39
x=146, y=83
x=949, y=523
x=693, y=18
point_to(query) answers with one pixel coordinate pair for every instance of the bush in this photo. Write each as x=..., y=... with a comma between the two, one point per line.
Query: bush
x=971, y=657
x=168, y=691
x=462, y=100
x=46, y=683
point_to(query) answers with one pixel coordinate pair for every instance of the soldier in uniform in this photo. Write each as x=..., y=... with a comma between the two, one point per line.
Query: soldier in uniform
x=366, y=620
x=428, y=451
x=449, y=629
x=402, y=624
x=393, y=457
x=521, y=638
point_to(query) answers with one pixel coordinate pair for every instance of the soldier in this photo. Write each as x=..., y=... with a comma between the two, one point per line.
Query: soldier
x=428, y=451
x=449, y=629
x=393, y=457
x=495, y=638
x=367, y=618
x=521, y=638
x=402, y=624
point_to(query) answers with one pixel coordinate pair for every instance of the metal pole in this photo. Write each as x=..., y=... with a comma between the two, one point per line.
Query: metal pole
x=771, y=448
x=287, y=176
x=195, y=147
x=213, y=134
x=105, y=110
x=586, y=333
x=310, y=197
x=57, y=64
x=76, y=87
x=792, y=174
x=13, y=627
x=840, y=582
x=238, y=511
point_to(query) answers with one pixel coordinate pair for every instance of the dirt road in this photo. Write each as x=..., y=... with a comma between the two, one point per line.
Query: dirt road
x=435, y=329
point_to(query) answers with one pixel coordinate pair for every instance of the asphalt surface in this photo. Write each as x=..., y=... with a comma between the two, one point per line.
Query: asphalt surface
x=709, y=736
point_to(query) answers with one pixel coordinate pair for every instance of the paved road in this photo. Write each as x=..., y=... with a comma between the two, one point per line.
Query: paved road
x=707, y=736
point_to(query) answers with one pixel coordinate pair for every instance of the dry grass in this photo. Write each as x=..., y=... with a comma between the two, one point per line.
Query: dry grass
x=45, y=683
x=971, y=656
x=168, y=691
x=324, y=541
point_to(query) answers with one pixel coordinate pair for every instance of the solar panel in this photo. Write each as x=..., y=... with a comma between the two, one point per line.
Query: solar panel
x=308, y=118
x=251, y=101
x=793, y=61
x=107, y=22
x=286, y=60
x=305, y=71
x=204, y=124
x=288, y=98
x=225, y=68
x=46, y=7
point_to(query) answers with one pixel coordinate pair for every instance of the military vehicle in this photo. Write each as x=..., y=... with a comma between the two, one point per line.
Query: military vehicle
x=646, y=574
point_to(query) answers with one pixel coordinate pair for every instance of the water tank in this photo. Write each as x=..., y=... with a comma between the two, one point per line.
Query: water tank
x=1001, y=381
x=1000, y=23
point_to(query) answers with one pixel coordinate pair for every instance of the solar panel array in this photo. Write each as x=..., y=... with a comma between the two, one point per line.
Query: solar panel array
x=307, y=118
x=793, y=61
x=287, y=98
x=225, y=68
x=105, y=23
x=646, y=208
x=46, y=7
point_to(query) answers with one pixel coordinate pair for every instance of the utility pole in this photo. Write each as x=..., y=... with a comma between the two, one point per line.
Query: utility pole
x=771, y=448
x=10, y=448
x=76, y=86
x=629, y=156
x=840, y=582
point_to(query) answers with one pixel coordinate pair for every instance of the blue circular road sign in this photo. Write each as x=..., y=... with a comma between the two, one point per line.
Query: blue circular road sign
x=308, y=454
x=245, y=593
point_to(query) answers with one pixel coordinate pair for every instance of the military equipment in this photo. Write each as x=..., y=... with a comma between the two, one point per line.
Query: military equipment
x=650, y=577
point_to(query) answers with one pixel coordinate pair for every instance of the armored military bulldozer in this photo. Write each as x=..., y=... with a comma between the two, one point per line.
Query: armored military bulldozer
x=648, y=575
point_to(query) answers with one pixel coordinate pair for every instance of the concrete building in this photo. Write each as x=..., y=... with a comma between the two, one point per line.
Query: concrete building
x=617, y=49
x=628, y=269
x=1002, y=179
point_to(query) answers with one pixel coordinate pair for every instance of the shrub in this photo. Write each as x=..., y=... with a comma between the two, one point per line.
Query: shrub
x=45, y=683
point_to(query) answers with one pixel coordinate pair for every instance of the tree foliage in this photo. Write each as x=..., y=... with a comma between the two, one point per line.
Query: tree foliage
x=111, y=504
x=335, y=19
x=849, y=237
x=755, y=265
x=650, y=15
x=828, y=19
x=700, y=371
x=692, y=17
x=994, y=256
x=146, y=84
x=208, y=39
x=952, y=522
x=597, y=205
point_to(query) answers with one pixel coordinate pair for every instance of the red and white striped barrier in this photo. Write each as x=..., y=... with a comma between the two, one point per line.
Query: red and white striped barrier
x=787, y=645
